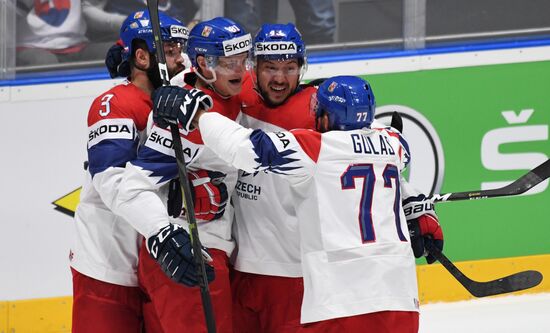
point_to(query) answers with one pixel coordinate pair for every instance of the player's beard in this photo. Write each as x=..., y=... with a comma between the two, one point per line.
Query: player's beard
x=153, y=72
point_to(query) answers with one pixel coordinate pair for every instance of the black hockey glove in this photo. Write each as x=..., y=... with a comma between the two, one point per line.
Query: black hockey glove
x=113, y=61
x=423, y=226
x=171, y=103
x=172, y=249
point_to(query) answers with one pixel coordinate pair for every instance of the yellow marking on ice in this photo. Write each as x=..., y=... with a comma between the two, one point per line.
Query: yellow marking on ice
x=53, y=315
x=435, y=284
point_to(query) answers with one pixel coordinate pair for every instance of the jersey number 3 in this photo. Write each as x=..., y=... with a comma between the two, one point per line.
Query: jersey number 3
x=366, y=172
x=105, y=105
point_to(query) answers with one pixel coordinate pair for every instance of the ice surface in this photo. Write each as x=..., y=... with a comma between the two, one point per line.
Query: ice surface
x=505, y=314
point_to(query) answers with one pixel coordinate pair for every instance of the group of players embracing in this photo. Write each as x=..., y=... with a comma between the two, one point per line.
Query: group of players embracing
x=297, y=191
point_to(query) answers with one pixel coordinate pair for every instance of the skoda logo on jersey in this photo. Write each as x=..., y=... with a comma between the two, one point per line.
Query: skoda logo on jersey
x=427, y=166
x=269, y=48
x=178, y=31
x=237, y=45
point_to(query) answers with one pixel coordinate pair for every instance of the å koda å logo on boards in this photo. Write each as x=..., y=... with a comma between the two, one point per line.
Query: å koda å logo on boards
x=427, y=168
x=518, y=131
x=428, y=165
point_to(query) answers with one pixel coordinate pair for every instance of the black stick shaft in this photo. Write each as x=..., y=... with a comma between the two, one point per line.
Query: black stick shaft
x=521, y=185
x=182, y=174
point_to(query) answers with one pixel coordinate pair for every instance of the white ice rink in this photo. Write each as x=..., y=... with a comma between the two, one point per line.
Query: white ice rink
x=507, y=314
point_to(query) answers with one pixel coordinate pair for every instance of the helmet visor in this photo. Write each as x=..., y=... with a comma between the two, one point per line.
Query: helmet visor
x=235, y=64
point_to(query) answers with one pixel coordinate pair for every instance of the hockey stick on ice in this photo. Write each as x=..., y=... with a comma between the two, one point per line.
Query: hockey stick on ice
x=518, y=281
x=152, y=5
x=521, y=185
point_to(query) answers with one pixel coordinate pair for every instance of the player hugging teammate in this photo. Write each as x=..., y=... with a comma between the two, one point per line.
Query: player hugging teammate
x=310, y=227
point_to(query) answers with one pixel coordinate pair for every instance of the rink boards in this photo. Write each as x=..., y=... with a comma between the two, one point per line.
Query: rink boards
x=475, y=118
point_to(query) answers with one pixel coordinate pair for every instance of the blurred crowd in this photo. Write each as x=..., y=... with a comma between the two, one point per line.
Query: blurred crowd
x=58, y=31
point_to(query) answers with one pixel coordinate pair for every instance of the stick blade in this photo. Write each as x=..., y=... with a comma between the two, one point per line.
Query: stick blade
x=515, y=282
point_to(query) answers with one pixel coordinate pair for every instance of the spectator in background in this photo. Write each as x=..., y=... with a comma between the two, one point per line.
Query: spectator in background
x=50, y=32
x=104, y=17
x=314, y=18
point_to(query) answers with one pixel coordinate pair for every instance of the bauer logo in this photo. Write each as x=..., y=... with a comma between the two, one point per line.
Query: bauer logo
x=275, y=48
x=427, y=166
x=107, y=129
x=237, y=45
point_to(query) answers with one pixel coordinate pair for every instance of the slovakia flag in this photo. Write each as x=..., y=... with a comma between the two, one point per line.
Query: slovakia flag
x=53, y=12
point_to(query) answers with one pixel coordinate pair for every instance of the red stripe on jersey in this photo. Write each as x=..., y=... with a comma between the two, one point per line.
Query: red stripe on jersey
x=395, y=135
x=310, y=141
x=122, y=101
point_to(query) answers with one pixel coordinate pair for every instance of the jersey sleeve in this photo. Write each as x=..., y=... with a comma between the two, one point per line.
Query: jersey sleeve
x=113, y=137
x=255, y=150
x=112, y=134
x=403, y=151
x=139, y=200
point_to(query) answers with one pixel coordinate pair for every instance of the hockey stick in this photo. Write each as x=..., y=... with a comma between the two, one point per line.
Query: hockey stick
x=152, y=5
x=518, y=281
x=521, y=185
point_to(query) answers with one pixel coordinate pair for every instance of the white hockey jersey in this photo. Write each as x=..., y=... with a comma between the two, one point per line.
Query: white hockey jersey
x=356, y=253
x=106, y=246
x=143, y=191
x=266, y=223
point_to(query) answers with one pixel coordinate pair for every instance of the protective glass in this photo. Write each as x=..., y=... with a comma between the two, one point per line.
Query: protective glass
x=235, y=64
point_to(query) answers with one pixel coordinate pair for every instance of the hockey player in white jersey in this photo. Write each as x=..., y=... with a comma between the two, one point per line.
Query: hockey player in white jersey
x=357, y=261
x=218, y=50
x=104, y=257
x=267, y=283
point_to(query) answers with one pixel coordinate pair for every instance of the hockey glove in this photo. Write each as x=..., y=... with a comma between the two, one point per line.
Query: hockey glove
x=113, y=61
x=172, y=103
x=423, y=226
x=172, y=249
x=209, y=195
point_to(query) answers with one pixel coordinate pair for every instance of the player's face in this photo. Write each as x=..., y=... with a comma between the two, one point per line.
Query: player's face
x=229, y=74
x=277, y=79
x=174, y=58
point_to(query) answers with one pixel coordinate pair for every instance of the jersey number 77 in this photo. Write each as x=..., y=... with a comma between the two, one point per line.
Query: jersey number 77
x=366, y=171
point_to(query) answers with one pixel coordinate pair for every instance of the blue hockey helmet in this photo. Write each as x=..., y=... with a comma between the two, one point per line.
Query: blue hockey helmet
x=218, y=37
x=348, y=101
x=280, y=42
x=138, y=26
